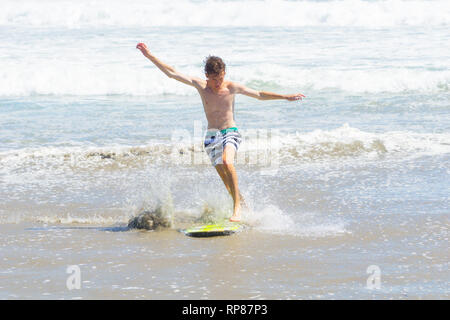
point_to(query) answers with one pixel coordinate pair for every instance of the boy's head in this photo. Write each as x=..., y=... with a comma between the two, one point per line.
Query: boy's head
x=215, y=72
x=214, y=66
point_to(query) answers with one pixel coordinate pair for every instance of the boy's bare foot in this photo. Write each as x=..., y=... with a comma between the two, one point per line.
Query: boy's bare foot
x=235, y=218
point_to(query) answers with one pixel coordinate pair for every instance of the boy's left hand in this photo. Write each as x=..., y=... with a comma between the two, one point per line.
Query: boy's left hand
x=293, y=97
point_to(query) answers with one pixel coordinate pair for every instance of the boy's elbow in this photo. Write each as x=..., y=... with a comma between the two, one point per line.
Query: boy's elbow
x=170, y=72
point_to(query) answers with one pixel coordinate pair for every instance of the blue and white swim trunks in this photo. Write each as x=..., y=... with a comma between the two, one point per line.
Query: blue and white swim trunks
x=216, y=140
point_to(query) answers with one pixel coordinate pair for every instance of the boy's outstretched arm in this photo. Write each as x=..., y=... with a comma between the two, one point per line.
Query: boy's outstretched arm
x=168, y=70
x=264, y=95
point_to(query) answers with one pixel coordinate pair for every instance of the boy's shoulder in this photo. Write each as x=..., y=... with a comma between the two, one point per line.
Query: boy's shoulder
x=233, y=86
x=199, y=83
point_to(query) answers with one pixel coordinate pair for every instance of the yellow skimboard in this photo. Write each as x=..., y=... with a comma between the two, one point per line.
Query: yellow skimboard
x=213, y=230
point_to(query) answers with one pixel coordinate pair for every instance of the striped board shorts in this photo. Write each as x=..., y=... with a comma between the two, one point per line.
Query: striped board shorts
x=216, y=140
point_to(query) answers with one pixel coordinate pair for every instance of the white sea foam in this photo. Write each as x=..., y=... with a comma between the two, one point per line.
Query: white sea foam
x=140, y=13
x=342, y=142
x=66, y=78
x=73, y=219
x=65, y=218
x=348, y=141
x=271, y=219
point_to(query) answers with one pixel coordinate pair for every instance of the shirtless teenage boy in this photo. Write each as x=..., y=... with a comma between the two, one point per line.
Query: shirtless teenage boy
x=223, y=138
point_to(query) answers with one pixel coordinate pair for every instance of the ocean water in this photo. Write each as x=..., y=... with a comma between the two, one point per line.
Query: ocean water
x=354, y=178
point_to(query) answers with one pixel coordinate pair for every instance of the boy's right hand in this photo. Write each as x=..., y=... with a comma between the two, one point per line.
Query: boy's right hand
x=143, y=47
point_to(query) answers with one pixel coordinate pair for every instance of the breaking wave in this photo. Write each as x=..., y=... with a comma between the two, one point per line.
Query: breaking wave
x=60, y=78
x=140, y=13
x=318, y=145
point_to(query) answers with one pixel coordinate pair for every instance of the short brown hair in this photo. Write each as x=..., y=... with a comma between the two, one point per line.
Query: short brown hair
x=214, y=65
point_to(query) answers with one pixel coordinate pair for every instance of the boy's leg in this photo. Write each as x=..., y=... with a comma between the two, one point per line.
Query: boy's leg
x=232, y=180
x=220, y=170
x=223, y=175
x=225, y=168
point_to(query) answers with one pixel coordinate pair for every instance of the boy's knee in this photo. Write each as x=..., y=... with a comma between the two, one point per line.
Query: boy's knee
x=228, y=155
